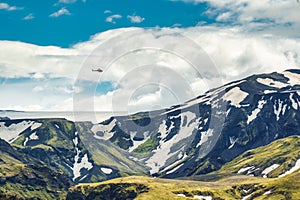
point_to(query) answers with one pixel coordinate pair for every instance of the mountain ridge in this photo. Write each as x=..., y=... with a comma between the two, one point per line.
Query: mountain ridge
x=194, y=140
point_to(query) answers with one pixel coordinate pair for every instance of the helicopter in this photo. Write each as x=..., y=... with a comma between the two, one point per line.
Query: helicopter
x=97, y=70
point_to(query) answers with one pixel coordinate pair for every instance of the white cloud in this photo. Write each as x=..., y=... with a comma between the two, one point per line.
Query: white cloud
x=38, y=89
x=5, y=6
x=152, y=67
x=255, y=13
x=62, y=11
x=135, y=19
x=111, y=19
x=67, y=1
x=243, y=54
x=177, y=25
x=107, y=11
x=224, y=16
x=164, y=70
x=29, y=17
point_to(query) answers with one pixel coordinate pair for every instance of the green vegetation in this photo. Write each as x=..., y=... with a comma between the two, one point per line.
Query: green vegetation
x=47, y=177
x=138, y=116
x=228, y=188
x=104, y=153
x=118, y=191
x=284, y=152
x=121, y=138
x=148, y=146
x=19, y=181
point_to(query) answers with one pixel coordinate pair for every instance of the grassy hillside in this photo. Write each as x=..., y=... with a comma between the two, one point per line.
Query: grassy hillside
x=106, y=154
x=284, y=152
x=233, y=187
x=20, y=181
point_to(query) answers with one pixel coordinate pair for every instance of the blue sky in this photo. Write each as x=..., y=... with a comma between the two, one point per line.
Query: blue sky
x=154, y=54
x=33, y=21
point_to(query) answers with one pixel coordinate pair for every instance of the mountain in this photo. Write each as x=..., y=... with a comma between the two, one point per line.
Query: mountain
x=203, y=134
x=247, y=127
x=235, y=180
x=56, y=143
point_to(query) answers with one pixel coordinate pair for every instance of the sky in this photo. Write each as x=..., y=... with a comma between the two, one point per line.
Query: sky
x=154, y=54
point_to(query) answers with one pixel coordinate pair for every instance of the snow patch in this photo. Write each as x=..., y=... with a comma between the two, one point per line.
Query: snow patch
x=79, y=164
x=204, y=136
x=84, y=163
x=75, y=141
x=33, y=136
x=25, y=142
x=293, y=169
x=232, y=141
x=9, y=133
x=235, y=96
x=106, y=129
x=246, y=197
x=202, y=197
x=271, y=82
x=294, y=79
x=35, y=126
x=269, y=169
x=175, y=169
x=163, y=152
x=106, y=170
x=83, y=177
x=242, y=170
x=278, y=109
x=227, y=112
x=255, y=112
x=181, y=195
x=267, y=192
x=294, y=103
x=270, y=91
x=208, y=97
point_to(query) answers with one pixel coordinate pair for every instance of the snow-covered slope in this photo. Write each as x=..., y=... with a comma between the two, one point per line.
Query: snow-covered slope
x=212, y=129
x=194, y=138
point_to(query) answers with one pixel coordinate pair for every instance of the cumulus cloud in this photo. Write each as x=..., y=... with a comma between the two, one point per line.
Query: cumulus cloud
x=168, y=65
x=29, y=17
x=5, y=6
x=62, y=11
x=111, y=19
x=107, y=11
x=135, y=19
x=243, y=54
x=258, y=13
x=151, y=68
